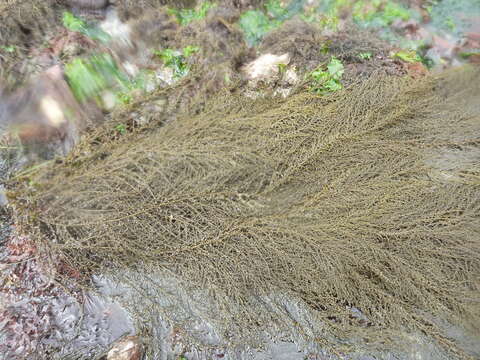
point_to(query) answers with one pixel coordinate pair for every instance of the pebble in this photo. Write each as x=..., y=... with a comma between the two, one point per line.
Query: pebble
x=128, y=348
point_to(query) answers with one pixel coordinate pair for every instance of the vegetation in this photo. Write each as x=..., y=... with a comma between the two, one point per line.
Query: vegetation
x=257, y=23
x=8, y=48
x=121, y=128
x=73, y=23
x=327, y=80
x=379, y=13
x=186, y=16
x=365, y=55
x=177, y=60
x=88, y=77
x=368, y=199
x=408, y=56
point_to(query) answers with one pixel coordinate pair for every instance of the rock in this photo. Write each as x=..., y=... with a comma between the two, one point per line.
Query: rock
x=3, y=201
x=88, y=4
x=45, y=116
x=89, y=9
x=109, y=100
x=265, y=67
x=119, y=31
x=128, y=348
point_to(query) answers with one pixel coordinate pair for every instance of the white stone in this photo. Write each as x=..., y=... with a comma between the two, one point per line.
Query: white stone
x=119, y=31
x=266, y=66
x=52, y=111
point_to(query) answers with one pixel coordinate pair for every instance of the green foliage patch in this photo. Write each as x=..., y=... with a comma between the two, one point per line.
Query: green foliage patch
x=186, y=16
x=73, y=23
x=407, y=56
x=327, y=80
x=177, y=60
x=88, y=77
x=257, y=23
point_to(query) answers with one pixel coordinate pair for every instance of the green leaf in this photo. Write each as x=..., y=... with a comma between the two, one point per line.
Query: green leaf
x=190, y=50
x=255, y=24
x=335, y=68
x=275, y=9
x=88, y=77
x=407, y=56
x=71, y=22
x=176, y=60
x=326, y=81
x=333, y=85
x=186, y=16
x=121, y=129
x=8, y=48
x=365, y=55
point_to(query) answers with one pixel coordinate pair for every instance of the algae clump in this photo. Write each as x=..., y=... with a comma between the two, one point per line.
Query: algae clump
x=339, y=201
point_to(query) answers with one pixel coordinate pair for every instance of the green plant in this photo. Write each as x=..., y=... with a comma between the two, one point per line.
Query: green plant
x=329, y=21
x=407, y=56
x=327, y=80
x=88, y=77
x=365, y=55
x=275, y=9
x=325, y=47
x=190, y=50
x=450, y=23
x=177, y=60
x=393, y=11
x=378, y=13
x=468, y=53
x=124, y=97
x=186, y=16
x=8, y=48
x=121, y=129
x=73, y=23
x=255, y=24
